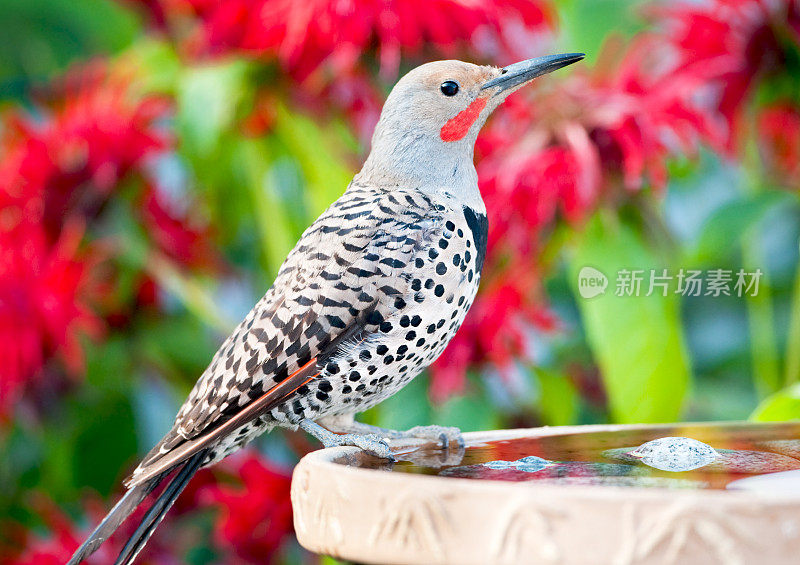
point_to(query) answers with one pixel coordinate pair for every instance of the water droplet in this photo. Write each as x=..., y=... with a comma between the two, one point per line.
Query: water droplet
x=498, y=464
x=675, y=454
x=531, y=464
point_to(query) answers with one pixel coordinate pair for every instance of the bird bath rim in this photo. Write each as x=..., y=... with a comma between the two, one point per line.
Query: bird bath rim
x=375, y=516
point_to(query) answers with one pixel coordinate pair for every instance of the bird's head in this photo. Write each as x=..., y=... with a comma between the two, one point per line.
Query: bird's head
x=432, y=117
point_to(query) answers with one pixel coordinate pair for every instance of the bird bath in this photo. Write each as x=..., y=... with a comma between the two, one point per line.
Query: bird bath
x=587, y=494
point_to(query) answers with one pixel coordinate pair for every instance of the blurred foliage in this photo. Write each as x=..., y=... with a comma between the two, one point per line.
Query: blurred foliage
x=249, y=163
x=638, y=343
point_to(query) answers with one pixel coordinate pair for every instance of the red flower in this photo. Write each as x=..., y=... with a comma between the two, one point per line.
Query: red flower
x=779, y=142
x=731, y=44
x=64, y=538
x=306, y=37
x=174, y=233
x=255, y=517
x=43, y=304
x=56, y=173
x=254, y=521
x=68, y=162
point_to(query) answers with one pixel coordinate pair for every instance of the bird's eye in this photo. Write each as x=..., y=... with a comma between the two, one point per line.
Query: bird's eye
x=449, y=88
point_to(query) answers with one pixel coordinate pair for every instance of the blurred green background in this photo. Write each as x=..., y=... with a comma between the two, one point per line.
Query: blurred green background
x=161, y=159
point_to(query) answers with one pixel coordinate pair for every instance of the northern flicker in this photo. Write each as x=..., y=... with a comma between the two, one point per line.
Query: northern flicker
x=370, y=296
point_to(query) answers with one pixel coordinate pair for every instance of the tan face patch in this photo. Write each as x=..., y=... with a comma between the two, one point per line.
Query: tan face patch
x=469, y=77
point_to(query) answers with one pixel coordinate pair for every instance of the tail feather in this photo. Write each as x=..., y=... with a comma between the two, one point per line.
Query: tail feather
x=128, y=504
x=158, y=510
x=124, y=508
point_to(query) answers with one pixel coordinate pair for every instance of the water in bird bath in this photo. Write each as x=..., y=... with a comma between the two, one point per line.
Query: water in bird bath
x=682, y=456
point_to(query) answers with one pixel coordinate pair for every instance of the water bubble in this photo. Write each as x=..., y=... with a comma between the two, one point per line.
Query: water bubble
x=529, y=464
x=675, y=454
x=500, y=464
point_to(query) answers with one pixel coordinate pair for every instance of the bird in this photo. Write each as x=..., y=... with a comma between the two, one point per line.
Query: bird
x=370, y=295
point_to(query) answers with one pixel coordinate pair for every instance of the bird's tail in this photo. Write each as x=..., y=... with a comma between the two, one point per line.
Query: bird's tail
x=126, y=506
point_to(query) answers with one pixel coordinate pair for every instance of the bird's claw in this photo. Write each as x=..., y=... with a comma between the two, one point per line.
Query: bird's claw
x=371, y=443
x=446, y=435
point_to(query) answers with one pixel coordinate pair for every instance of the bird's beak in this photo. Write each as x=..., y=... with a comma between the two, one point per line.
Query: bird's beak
x=524, y=71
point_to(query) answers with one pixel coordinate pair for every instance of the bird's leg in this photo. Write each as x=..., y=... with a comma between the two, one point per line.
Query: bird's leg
x=371, y=443
x=346, y=424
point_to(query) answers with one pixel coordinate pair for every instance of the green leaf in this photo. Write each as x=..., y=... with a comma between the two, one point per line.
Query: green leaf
x=637, y=341
x=39, y=38
x=208, y=99
x=275, y=230
x=157, y=65
x=779, y=407
x=318, y=153
x=405, y=409
x=469, y=412
x=727, y=226
x=585, y=24
x=558, y=398
x=761, y=321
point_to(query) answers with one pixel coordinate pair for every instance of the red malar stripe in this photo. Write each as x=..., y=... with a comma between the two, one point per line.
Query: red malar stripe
x=457, y=127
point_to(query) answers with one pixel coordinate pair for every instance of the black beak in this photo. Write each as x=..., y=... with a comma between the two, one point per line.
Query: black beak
x=522, y=72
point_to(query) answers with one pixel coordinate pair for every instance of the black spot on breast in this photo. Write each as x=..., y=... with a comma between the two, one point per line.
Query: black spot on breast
x=479, y=226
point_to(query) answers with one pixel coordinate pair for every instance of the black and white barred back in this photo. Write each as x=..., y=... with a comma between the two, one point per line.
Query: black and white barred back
x=373, y=292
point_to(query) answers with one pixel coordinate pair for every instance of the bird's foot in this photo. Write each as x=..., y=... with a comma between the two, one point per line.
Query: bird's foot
x=447, y=437
x=371, y=443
